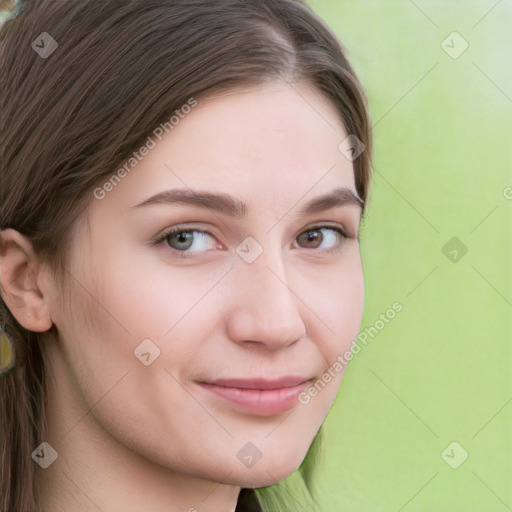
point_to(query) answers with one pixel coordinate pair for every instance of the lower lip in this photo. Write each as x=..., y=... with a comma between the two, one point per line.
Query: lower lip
x=265, y=402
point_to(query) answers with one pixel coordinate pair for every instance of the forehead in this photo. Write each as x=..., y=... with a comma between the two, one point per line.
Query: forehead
x=268, y=145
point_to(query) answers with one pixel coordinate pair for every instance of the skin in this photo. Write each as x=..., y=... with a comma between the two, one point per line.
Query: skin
x=133, y=437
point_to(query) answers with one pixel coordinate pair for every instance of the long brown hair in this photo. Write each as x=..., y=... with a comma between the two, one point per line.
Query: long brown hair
x=110, y=73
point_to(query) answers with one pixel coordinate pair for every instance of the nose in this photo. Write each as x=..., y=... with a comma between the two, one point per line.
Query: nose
x=265, y=307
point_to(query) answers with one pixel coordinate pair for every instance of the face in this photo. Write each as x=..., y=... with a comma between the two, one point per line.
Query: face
x=195, y=328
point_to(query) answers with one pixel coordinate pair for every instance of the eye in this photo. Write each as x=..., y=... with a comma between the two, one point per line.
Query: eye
x=333, y=236
x=187, y=242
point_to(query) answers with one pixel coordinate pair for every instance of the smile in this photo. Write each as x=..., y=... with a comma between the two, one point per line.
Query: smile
x=258, y=396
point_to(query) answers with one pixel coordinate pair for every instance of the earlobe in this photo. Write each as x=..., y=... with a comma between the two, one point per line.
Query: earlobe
x=20, y=279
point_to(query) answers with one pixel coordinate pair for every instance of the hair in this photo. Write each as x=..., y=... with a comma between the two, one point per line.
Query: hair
x=121, y=68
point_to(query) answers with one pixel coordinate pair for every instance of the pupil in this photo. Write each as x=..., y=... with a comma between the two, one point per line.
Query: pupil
x=311, y=236
x=183, y=237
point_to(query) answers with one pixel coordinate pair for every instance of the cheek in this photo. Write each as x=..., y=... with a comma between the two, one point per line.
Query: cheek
x=336, y=300
x=151, y=297
x=336, y=305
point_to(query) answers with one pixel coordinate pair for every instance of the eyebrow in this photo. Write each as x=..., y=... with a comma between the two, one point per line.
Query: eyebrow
x=232, y=207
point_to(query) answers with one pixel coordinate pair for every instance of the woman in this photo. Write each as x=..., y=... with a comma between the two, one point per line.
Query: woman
x=183, y=183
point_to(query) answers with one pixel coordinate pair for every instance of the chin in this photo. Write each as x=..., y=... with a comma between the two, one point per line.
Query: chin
x=267, y=472
x=259, y=479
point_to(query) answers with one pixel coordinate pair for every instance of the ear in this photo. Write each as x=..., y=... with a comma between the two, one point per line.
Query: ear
x=21, y=279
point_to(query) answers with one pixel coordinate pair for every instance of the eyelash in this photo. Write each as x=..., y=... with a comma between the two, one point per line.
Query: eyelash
x=162, y=237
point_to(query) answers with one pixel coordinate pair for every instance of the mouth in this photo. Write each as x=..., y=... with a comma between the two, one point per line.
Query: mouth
x=259, y=396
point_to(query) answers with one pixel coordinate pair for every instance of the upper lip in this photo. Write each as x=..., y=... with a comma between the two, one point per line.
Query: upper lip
x=259, y=383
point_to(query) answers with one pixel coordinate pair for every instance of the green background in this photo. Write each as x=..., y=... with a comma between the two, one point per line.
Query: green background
x=440, y=371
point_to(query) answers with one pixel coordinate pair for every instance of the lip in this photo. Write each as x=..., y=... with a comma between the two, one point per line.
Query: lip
x=259, y=396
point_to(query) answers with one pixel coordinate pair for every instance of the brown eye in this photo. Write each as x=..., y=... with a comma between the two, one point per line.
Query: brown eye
x=329, y=235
